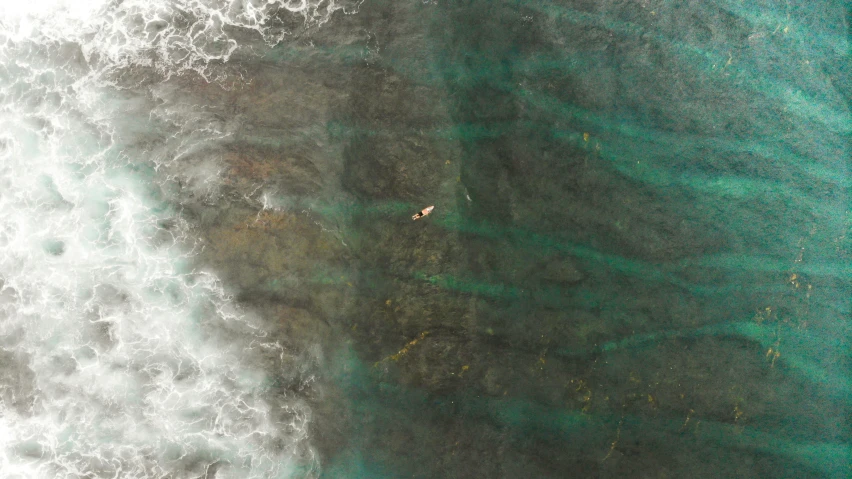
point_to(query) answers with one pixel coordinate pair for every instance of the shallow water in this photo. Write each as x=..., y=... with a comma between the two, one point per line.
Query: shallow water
x=637, y=265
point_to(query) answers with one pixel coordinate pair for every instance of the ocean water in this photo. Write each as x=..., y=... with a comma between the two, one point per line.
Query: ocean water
x=638, y=264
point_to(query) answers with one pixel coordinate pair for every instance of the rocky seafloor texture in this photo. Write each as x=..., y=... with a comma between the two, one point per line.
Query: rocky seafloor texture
x=638, y=262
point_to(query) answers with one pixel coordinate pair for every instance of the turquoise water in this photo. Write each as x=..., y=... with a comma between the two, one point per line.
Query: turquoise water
x=638, y=264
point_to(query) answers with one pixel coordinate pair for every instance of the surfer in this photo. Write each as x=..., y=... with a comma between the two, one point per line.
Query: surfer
x=423, y=212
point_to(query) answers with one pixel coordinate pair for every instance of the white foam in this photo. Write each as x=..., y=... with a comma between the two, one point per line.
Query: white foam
x=112, y=357
x=169, y=36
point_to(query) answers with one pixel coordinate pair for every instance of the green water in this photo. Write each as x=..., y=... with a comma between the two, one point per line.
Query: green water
x=639, y=260
x=650, y=275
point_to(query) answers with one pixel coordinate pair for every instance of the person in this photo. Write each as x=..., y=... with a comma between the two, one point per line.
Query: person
x=423, y=212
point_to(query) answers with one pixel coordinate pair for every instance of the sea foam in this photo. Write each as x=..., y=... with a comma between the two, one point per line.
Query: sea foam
x=112, y=358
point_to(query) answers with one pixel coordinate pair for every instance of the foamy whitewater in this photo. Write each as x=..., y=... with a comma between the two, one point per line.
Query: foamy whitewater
x=113, y=356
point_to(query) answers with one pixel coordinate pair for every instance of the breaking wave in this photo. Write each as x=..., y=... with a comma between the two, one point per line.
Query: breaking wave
x=118, y=360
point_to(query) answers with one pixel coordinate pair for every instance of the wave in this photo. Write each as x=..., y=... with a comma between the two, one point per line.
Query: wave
x=118, y=359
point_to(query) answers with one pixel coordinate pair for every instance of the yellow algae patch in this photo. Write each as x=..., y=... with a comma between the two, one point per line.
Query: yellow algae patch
x=688, y=418
x=585, y=394
x=773, y=354
x=402, y=352
x=763, y=315
x=615, y=442
x=407, y=347
x=738, y=413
